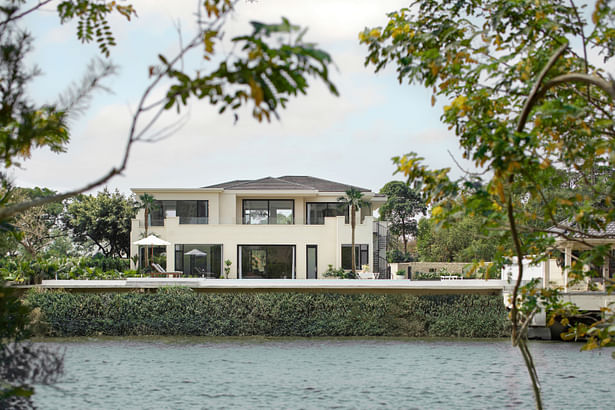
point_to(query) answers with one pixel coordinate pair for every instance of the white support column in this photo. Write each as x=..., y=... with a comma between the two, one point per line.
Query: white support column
x=546, y=273
x=239, y=273
x=567, y=265
x=171, y=258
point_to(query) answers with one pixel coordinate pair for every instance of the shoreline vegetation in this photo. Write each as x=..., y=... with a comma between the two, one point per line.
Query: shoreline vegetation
x=178, y=311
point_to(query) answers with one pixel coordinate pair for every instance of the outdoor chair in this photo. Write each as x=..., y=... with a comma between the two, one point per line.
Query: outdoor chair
x=162, y=272
x=366, y=275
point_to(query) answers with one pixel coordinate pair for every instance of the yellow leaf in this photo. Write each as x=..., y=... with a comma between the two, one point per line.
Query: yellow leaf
x=436, y=211
x=257, y=93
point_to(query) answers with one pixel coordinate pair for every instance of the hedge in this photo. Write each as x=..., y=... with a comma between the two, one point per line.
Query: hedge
x=181, y=311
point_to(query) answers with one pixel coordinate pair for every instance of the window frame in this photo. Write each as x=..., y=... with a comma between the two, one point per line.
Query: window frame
x=269, y=216
x=338, y=204
x=361, y=253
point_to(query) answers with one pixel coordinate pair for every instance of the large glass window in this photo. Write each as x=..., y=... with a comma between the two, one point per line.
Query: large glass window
x=199, y=260
x=192, y=212
x=361, y=256
x=267, y=261
x=160, y=210
x=366, y=210
x=317, y=211
x=189, y=212
x=264, y=211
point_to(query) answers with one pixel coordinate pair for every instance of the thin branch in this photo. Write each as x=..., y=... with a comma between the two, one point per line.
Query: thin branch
x=529, y=363
x=517, y=243
x=168, y=130
x=524, y=325
x=607, y=86
x=585, y=60
x=534, y=94
x=11, y=210
x=20, y=15
x=474, y=174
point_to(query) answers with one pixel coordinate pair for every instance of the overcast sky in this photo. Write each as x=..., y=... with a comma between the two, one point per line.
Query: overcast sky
x=349, y=139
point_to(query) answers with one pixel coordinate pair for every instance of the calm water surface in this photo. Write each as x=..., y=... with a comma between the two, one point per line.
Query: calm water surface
x=197, y=373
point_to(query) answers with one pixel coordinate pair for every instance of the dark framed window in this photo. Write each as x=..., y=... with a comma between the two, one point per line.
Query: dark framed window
x=266, y=261
x=268, y=211
x=199, y=260
x=317, y=211
x=366, y=210
x=193, y=212
x=160, y=210
x=361, y=255
x=189, y=212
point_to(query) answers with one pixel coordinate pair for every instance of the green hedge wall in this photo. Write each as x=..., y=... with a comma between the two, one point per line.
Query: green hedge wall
x=181, y=311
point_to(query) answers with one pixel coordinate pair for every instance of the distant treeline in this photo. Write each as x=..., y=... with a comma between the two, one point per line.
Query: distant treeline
x=181, y=311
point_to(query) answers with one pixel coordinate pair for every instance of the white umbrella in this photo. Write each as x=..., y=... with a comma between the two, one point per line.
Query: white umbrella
x=196, y=252
x=193, y=254
x=152, y=241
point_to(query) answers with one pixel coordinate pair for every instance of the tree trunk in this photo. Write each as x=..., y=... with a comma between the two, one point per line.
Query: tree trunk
x=353, y=222
x=146, y=228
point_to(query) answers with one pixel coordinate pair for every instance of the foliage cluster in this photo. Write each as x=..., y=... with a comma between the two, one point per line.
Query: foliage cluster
x=403, y=204
x=529, y=100
x=396, y=256
x=181, y=311
x=103, y=219
x=340, y=273
x=462, y=240
x=426, y=275
x=29, y=271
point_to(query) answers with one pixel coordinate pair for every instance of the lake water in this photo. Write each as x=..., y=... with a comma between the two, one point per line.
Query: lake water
x=198, y=373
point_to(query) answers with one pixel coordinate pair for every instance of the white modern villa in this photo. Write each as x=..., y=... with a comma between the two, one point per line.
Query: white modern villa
x=290, y=227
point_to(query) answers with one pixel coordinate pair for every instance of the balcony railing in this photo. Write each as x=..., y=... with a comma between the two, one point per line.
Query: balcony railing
x=193, y=220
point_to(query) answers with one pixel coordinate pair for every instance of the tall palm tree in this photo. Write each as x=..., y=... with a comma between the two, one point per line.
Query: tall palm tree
x=148, y=204
x=354, y=201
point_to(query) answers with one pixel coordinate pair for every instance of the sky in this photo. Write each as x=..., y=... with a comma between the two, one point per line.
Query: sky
x=348, y=139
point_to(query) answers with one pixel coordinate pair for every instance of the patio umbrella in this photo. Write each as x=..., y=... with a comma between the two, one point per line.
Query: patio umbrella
x=193, y=254
x=196, y=252
x=151, y=241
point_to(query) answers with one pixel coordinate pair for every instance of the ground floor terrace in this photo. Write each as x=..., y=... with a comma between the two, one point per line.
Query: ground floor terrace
x=255, y=261
x=470, y=286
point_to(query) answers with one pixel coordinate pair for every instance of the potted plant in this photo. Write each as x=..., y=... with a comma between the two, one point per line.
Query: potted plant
x=227, y=267
x=400, y=274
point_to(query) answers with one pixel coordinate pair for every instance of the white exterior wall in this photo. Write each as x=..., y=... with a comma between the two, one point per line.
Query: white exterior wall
x=225, y=228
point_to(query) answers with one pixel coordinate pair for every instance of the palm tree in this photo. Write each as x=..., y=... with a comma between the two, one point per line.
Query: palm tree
x=148, y=204
x=354, y=201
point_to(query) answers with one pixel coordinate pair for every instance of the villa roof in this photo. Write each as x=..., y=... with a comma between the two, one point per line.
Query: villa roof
x=287, y=183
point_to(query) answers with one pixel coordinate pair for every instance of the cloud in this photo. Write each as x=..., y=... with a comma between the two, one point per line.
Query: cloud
x=350, y=138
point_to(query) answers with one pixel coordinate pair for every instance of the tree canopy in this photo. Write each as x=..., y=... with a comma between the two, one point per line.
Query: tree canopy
x=104, y=219
x=528, y=98
x=460, y=241
x=402, y=206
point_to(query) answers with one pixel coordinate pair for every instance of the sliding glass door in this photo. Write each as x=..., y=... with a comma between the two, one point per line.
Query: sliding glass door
x=266, y=261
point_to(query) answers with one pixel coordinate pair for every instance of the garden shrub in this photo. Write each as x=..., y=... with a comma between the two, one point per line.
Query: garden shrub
x=181, y=311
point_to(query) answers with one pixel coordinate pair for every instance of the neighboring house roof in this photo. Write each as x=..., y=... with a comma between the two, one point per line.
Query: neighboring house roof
x=287, y=183
x=609, y=231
